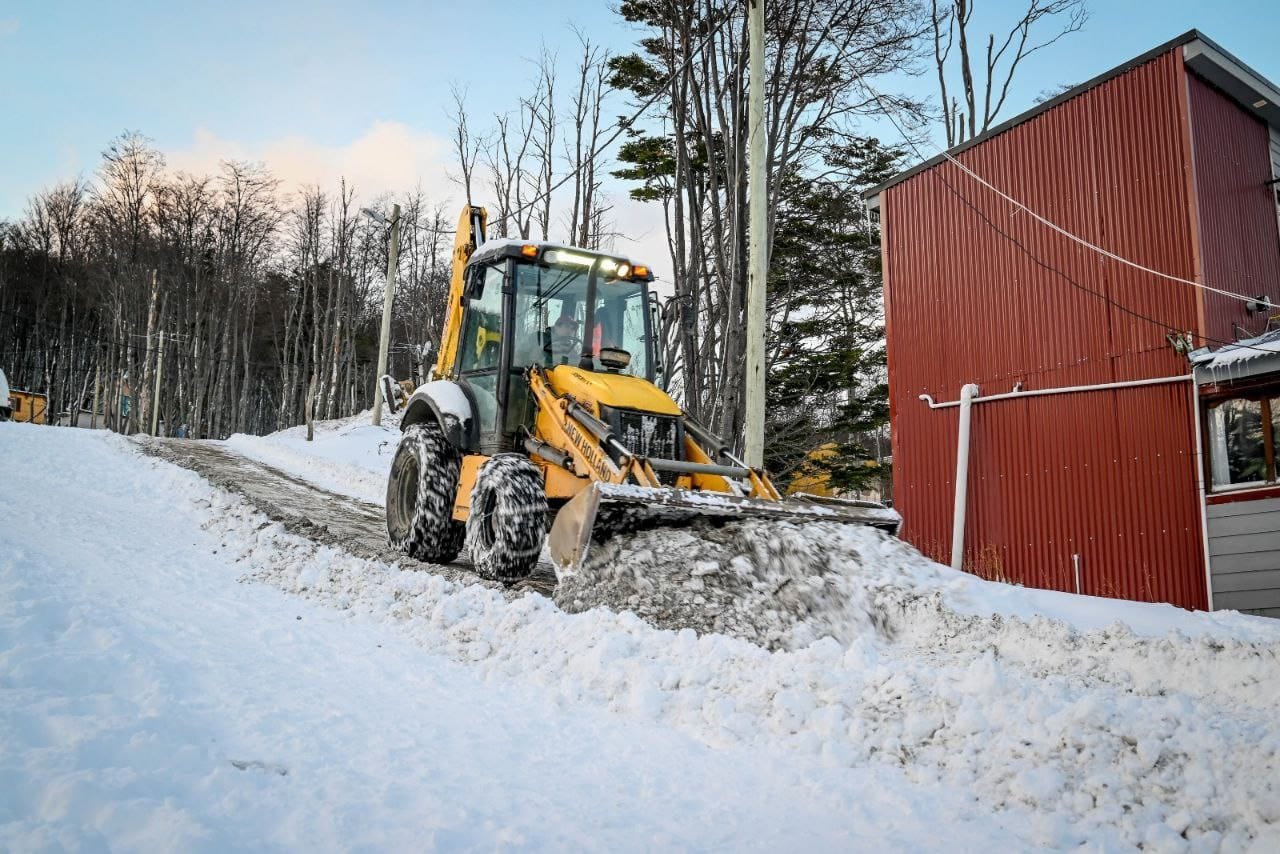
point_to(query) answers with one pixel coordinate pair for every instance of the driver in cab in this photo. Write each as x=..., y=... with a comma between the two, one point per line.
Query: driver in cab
x=565, y=344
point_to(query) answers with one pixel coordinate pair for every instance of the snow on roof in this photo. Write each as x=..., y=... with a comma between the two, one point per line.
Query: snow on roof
x=493, y=245
x=496, y=243
x=1246, y=358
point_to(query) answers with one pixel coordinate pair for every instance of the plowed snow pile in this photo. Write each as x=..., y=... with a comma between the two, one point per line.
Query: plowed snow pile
x=1114, y=723
x=776, y=584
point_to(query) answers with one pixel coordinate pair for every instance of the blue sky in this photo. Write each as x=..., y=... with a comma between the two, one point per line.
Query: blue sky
x=78, y=73
x=323, y=87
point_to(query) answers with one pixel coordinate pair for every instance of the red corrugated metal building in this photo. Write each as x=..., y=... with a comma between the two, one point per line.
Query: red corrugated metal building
x=1164, y=161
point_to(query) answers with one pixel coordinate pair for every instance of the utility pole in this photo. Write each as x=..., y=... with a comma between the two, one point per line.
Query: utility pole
x=97, y=379
x=384, y=343
x=155, y=403
x=757, y=232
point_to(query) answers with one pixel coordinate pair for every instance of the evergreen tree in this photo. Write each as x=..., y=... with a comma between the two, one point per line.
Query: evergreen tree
x=827, y=389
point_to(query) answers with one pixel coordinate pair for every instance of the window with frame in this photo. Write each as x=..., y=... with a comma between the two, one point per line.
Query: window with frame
x=550, y=315
x=481, y=343
x=482, y=332
x=1242, y=435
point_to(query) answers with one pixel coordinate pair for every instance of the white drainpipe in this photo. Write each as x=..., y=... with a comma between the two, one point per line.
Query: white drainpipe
x=928, y=398
x=1202, y=488
x=967, y=395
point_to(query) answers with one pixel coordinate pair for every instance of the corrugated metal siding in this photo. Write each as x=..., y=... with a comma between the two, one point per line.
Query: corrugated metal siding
x=1240, y=242
x=1244, y=555
x=1107, y=475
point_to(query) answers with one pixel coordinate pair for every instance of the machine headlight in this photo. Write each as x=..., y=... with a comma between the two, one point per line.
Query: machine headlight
x=571, y=259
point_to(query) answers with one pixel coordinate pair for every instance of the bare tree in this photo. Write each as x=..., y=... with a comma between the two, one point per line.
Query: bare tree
x=130, y=172
x=509, y=178
x=586, y=103
x=466, y=146
x=951, y=21
x=695, y=60
x=268, y=306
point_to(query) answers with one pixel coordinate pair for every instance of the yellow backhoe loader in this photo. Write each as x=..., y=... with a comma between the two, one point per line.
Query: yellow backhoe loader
x=545, y=402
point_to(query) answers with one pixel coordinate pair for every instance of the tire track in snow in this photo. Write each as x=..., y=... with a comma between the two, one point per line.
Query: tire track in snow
x=315, y=513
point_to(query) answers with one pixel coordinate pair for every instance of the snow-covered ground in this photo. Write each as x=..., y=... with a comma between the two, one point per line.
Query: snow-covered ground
x=179, y=672
x=349, y=456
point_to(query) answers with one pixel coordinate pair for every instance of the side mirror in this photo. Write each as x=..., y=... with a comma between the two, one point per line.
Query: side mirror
x=658, y=336
x=474, y=285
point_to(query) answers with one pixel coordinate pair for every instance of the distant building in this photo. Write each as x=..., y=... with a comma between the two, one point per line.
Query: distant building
x=28, y=406
x=83, y=418
x=1097, y=461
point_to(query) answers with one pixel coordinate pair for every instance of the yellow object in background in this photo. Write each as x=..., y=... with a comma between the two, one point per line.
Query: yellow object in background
x=28, y=406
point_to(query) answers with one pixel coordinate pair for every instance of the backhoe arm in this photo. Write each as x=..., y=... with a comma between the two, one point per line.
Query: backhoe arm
x=469, y=237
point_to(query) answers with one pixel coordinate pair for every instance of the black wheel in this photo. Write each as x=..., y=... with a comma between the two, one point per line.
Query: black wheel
x=420, y=493
x=508, y=521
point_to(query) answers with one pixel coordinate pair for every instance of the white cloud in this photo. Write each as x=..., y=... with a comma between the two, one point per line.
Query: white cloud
x=389, y=157
x=8, y=26
x=392, y=157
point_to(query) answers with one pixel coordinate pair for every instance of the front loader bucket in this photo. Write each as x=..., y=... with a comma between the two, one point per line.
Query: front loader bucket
x=603, y=509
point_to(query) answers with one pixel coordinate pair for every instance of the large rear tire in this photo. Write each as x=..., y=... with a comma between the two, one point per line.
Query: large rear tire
x=420, y=494
x=508, y=521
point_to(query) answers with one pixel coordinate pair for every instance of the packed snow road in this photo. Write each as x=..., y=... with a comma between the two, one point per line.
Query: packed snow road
x=161, y=691
x=312, y=511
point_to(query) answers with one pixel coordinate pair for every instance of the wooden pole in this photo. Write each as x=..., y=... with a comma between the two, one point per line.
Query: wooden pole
x=155, y=402
x=757, y=231
x=97, y=378
x=384, y=342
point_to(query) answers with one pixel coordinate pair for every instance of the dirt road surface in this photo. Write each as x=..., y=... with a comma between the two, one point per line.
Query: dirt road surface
x=315, y=513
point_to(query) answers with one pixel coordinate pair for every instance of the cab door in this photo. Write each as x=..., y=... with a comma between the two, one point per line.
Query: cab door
x=480, y=347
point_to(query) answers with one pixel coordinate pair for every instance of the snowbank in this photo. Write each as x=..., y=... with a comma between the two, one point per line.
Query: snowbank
x=786, y=584
x=151, y=702
x=949, y=724
x=351, y=457
x=1109, y=738
x=348, y=456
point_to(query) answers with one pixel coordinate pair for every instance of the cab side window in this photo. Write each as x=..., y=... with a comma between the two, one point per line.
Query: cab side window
x=482, y=333
x=481, y=344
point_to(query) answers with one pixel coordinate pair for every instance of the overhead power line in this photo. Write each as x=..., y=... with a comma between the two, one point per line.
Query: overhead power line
x=1045, y=221
x=1040, y=262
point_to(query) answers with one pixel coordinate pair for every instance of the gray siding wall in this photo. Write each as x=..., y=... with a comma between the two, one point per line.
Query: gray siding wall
x=1244, y=555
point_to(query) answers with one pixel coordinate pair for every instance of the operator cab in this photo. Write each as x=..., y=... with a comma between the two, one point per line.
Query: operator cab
x=548, y=305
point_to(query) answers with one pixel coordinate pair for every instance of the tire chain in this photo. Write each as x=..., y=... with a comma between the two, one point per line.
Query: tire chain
x=506, y=541
x=434, y=536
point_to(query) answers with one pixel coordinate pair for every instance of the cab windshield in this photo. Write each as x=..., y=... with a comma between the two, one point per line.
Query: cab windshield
x=551, y=310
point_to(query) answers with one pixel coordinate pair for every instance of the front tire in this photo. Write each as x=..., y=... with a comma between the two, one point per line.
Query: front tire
x=508, y=521
x=420, y=494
